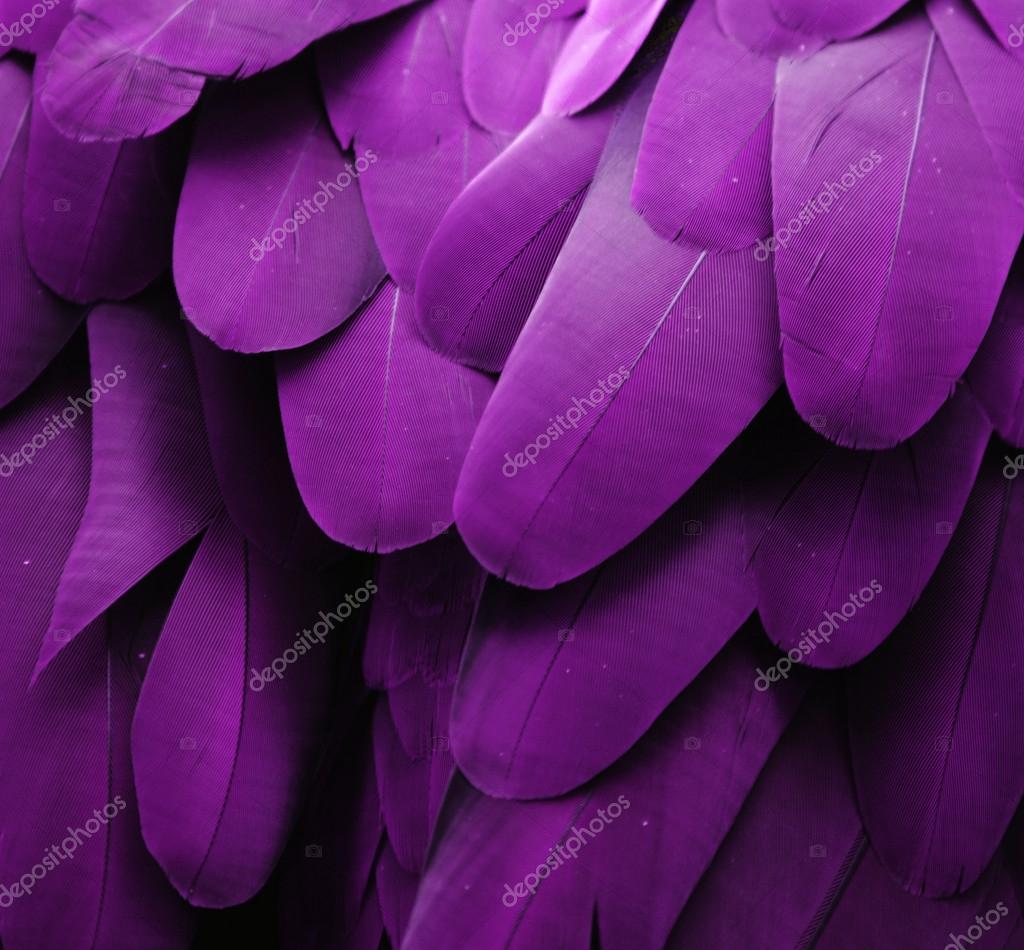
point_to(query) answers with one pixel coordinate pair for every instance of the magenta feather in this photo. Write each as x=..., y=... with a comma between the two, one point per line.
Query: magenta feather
x=152, y=487
x=245, y=279
x=689, y=354
x=513, y=220
x=1006, y=21
x=939, y=766
x=388, y=417
x=396, y=891
x=835, y=20
x=756, y=25
x=881, y=308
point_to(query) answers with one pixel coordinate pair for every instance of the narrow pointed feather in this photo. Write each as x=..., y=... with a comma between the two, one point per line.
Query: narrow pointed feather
x=597, y=52
x=836, y=20
x=672, y=367
x=246, y=441
x=395, y=85
x=421, y=616
x=547, y=697
x=756, y=25
x=796, y=870
x=152, y=486
x=1006, y=21
x=939, y=767
x=388, y=419
x=69, y=783
x=99, y=218
x=842, y=543
x=210, y=750
x=396, y=891
x=34, y=324
x=505, y=71
x=992, y=79
x=421, y=713
x=246, y=280
x=38, y=28
x=124, y=71
x=715, y=91
x=881, y=307
x=512, y=222
x=706, y=751
x=996, y=375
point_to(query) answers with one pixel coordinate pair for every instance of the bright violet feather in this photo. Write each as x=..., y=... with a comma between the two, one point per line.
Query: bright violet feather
x=547, y=696
x=715, y=92
x=602, y=44
x=1006, y=21
x=34, y=324
x=210, y=750
x=388, y=418
x=836, y=19
x=756, y=25
x=684, y=357
x=128, y=70
x=152, y=486
x=882, y=306
x=245, y=279
x=99, y=218
x=842, y=543
x=512, y=222
x=937, y=713
x=396, y=890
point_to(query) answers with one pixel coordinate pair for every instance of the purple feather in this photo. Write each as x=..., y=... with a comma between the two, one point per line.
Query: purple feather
x=882, y=308
x=756, y=25
x=396, y=891
x=547, y=696
x=35, y=323
x=245, y=279
x=388, y=417
x=836, y=19
x=99, y=218
x=842, y=543
x=715, y=92
x=512, y=222
x=1006, y=21
x=936, y=714
x=685, y=356
x=221, y=734
x=152, y=487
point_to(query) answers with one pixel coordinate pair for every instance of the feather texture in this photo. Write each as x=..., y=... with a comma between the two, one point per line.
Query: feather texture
x=836, y=20
x=881, y=309
x=940, y=768
x=756, y=25
x=698, y=334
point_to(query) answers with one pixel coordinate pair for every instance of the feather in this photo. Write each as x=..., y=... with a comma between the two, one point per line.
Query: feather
x=713, y=90
x=35, y=324
x=881, y=307
x=1006, y=21
x=512, y=222
x=715, y=737
x=991, y=79
x=842, y=543
x=547, y=696
x=939, y=767
x=215, y=712
x=70, y=813
x=419, y=620
x=152, y=487
x=98, y=218
x=37, y=31
x=246, y=280
x=396, y=891
x=128, y=70
x=389, y=419
x=597, y=52
x=396, y=88
x=421, y=713
x=756, y=25
x=796, y=871
x=996, y=375
x=691, y=348
x=836, y=20
x=246, y=440
x=504, y=71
